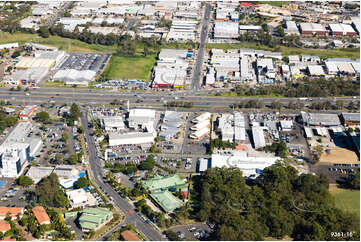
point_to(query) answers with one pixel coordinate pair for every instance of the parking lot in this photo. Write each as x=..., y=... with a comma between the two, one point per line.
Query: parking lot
x=89, y=61
x=193, y=231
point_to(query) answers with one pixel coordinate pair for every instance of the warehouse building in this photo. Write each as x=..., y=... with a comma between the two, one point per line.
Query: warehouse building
x=291, y=28
x=258, y=137
x=350, y=119
x=239, y=127
x=250, y=166
x=315, y=70
x=112, y=123
x=249, y=28
x=246, y=69
x=342, y=29
x=225, y=30
x=75, y=77
x=323, y=119
x=27, y=77
x=172, y=121
x=203, y=164
x=27, y=62
x=312, y=28
x=225, y=127
x=331, y=68
x=131, y=138
x=141, y=118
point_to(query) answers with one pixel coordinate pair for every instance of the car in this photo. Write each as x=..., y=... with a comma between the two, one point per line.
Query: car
x=192, y=229
x=147, y=221
x=196, y=234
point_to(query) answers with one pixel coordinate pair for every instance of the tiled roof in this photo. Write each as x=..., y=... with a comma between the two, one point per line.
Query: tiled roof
x=41, y=215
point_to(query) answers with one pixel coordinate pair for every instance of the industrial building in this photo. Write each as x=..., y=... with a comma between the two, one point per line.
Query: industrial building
x=131, y=138
x=315, y=70
x=350, y=119
x=225, y=30
x=75, y=77
x=239, y=127
x=203, y=164
x=225, y=127
x=258, y=137
x=27, y=62
x=312, y=28
x=172, y=121
x=182, y=30
x=250, y=166
x=291, y=28
x=27, y=77
x=171, y=69
x=112, y=123
x=342, y=29
x=323, y=119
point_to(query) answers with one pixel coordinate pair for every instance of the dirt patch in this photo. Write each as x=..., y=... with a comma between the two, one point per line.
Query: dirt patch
x=339, y=156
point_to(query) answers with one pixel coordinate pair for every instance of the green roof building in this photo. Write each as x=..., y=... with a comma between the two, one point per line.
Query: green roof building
x=166, y=201
x=162, y=183
x=94, y=218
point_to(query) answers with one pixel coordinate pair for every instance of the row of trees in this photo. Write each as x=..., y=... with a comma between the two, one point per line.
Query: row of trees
x=306, y=87
x=179, y=104
x=278, y=203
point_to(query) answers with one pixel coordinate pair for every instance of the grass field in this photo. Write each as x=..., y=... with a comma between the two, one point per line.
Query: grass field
x=138, y=67
x=273, y=3
x=345, y=199
x=323, y=53
x=66, y=44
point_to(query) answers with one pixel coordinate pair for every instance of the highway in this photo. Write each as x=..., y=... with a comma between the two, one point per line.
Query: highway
x=96, y=167
x=197, y=73
x=84, y=96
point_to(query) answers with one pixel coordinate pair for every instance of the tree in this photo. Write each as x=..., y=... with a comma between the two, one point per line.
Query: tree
x=148, y=164
x=43, y=117
x=75, y=112
x=81, y=183
x=171, y=235
x=24, y=181
x=44, y=32
x=73, y=159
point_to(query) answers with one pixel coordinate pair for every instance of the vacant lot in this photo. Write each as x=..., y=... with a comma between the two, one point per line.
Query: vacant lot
x=323, y=53
x=124, y=67
x=340, y=155
x=347, y=200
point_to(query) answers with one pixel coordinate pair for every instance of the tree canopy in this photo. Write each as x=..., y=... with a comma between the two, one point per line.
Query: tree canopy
x=24, y=181
x=278, y=203
x=43, y=117
x=49, y=192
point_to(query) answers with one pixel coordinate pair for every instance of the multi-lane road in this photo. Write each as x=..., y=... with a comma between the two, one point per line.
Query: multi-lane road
x=97, y=170
x=94, y=96
x=199, y=62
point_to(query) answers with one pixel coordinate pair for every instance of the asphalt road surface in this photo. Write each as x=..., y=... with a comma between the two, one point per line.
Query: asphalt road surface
x=197, y=73
x=85, y=96
x=96, y=166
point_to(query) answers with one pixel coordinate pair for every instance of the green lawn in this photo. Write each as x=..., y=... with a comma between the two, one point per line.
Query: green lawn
x=66, y=44
x=347, y=200
x=273, y=3
x=123, y=67
x=323, y=53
